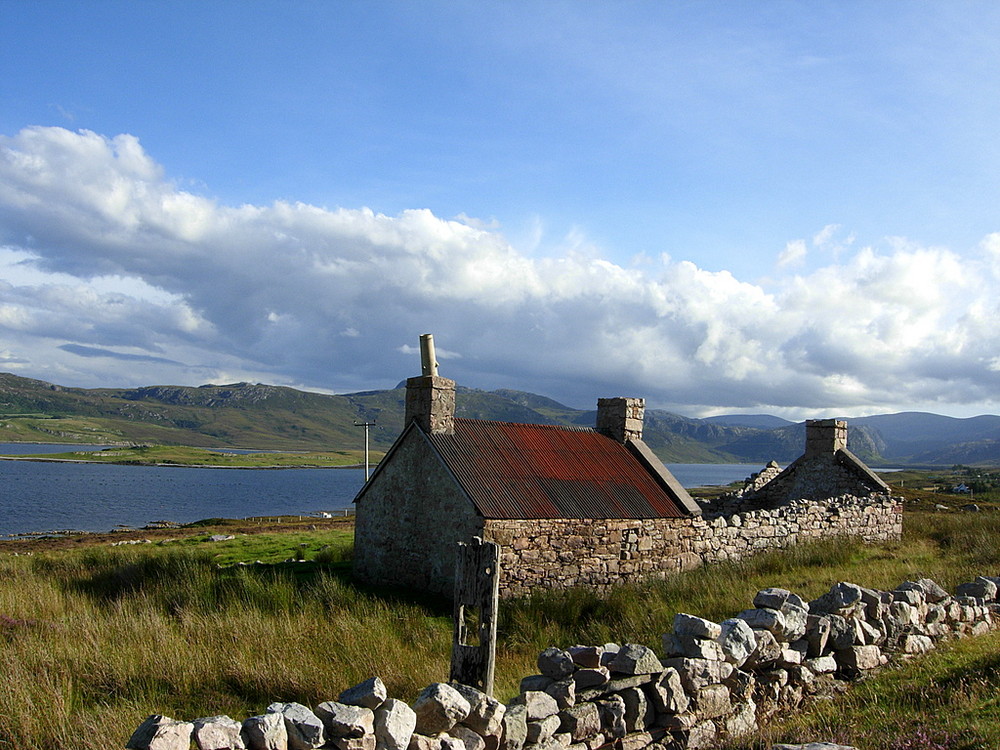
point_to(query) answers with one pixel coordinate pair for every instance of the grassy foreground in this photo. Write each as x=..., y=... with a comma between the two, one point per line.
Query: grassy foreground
x=93, y=640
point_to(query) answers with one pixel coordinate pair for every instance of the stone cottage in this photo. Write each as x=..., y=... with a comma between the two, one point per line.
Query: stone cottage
x=571, y=506
x=567, y=505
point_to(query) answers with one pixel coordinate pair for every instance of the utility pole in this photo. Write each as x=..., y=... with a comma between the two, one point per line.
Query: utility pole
x=366, y=425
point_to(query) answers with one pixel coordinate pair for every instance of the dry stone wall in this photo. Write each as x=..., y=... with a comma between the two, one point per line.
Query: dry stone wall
x=601, y=553
x=714, y=681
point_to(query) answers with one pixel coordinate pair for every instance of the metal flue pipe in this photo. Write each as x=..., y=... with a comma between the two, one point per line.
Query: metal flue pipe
x=428, y=364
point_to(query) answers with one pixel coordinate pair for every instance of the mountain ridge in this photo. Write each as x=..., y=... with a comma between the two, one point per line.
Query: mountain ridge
x=249, y=415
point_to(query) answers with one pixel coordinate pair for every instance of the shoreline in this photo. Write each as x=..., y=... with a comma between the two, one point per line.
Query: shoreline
x=31, y=542
x=269, y=467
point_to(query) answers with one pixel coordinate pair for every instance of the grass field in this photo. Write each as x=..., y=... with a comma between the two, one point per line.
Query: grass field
x=92, y=640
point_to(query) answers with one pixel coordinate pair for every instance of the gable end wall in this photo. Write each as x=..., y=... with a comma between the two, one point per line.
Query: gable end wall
x=409, y=521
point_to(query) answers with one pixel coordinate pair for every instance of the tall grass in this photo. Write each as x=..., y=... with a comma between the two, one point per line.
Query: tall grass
x=92, y=641
x=946, y=700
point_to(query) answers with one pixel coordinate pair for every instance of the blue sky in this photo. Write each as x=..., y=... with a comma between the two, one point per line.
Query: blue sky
x=784, y=206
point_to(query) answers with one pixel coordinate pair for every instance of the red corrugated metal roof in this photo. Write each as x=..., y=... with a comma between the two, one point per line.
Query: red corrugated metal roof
x=539, y=471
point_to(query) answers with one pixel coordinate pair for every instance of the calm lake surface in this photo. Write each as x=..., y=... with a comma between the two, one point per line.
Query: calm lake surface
x=38, y=496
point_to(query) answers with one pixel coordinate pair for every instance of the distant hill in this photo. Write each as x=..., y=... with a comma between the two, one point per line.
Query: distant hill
x=762, y=421
x=251, y=415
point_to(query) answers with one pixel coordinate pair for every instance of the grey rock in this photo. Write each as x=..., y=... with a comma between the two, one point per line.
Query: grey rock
x=581, y=721
x=639, y=712
x=917, y=644
x=364, y=742
x=668, y=693
x=470, y=740
x=587, y=677
x=421, y=742
x=535, y=682
x=218, y=733
x=817, y=633
x=610, y=652
x=685, y=624
x=555, y=663
x=859, y=658
x=842, y=599
x=691, y=647
x=485, y=712
x=514, y=727
x=822, y=664
x=564, y=691
x=635, y=741
x=904, y=614
x=539, y=705
x=612, y=711
x=795, y=621
x=438, y=708
x=696, y=673
x=370, y=694
x=676, y=722
x=741, y=685
x=305, y=729
x=841, y=632
x=634, y=658
x=981, y=588
x=712, y=701
x=623, y=682
x=771, y=598
x=764, y=619
x=395, y=723
x=451, y=743
x=265, y=732
x=913, y=597
x=767, y=653
x=159, y=732
x=342, y=721
x=541, y=730
x=737, y=640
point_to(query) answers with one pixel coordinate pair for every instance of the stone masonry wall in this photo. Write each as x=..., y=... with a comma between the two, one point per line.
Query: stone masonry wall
x=714, y=681
x=408, y=518
x=557, y=553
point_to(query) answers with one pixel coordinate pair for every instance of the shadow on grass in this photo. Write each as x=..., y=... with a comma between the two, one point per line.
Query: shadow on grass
x=181, y=580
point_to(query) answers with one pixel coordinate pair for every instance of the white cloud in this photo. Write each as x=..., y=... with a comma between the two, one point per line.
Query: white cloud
x=793, y=254
x=114, y=275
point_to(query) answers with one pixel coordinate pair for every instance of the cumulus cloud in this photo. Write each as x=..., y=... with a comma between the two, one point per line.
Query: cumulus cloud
x=101, y=253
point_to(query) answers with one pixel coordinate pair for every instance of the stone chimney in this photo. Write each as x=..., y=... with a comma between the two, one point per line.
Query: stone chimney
x=620, y=418
x=825, y=436
x=430, y=399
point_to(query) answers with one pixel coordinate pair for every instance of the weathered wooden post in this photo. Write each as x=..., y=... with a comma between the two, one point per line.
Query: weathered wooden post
x=477, y=587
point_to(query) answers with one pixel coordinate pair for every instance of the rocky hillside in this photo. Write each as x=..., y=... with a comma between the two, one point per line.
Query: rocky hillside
x=262, y=416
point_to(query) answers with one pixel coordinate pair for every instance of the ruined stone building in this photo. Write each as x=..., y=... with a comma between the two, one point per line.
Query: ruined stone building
x=571, y=506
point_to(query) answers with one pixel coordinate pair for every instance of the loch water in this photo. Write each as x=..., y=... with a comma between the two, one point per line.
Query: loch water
x=41, y=496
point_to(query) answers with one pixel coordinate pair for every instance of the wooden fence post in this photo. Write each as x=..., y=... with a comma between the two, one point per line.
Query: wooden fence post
x=477, y=586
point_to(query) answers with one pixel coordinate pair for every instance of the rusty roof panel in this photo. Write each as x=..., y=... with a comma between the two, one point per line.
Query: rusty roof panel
x=540, y=471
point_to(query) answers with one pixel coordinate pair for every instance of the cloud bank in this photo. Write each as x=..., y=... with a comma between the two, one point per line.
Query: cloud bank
x=110, y=274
